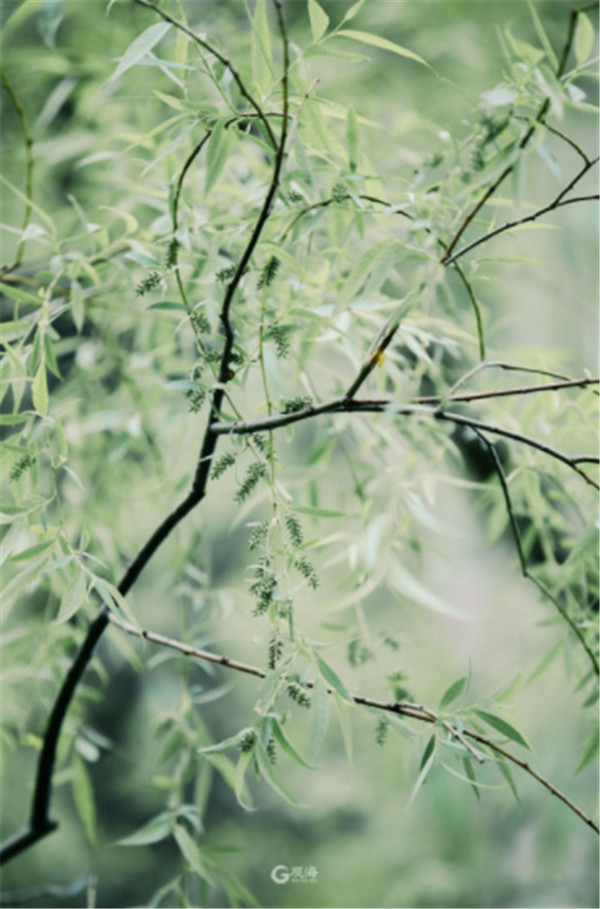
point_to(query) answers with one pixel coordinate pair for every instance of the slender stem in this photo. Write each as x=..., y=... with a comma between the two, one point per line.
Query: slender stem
x=403, y=708
x=40, y=823
x=556, y=203
x=377, y=406
x=523, y=559
x=540, y=117
x=182, y=27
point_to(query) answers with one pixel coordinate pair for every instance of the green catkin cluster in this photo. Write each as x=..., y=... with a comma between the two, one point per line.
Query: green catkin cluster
x=255, y=473
x=221, y=464
x=299, y=694
x=26, y=461
x=151, y=282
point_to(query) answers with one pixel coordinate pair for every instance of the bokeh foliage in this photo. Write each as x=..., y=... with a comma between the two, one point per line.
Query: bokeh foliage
x=366, y=551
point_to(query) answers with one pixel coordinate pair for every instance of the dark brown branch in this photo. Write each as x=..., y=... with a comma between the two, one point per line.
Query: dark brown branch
x=540, y=117
x=40, y=823
x=557, y=203
x=521, y=553
x=182, y=27
x=401, y=708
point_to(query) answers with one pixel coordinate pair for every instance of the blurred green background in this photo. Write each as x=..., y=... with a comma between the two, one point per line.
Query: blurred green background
x=354, y=824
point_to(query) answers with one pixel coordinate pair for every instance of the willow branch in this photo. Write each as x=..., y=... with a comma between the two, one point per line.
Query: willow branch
x=558, y=202
x=539, y=118
x=182, y=27
x=402, y=708
x=40, y=822
x=577, y=631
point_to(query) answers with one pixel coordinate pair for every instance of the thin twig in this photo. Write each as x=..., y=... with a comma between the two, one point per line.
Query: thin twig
x=403, y=708
x=556, y=203
x=182, y=27
x=522, y=557
x=40, y=823
x=539, y=118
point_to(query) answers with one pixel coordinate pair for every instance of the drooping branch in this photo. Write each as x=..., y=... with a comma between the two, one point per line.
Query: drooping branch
x=577, y=631
x=419, y=406
x=40, y=822
x=526, y=138
x=400, y=708
x=559, y=202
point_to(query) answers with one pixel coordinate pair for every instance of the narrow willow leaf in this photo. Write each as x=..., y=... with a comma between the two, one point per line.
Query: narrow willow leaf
x=218, y=148
x=353, y=11
x=262, y=56
x=590, y=749
x=319, y=20
x=452, y=692
x=191, y=851
x=332, y=678
x=352, y=139
x=287, y=746
x=383, y=43
x=40, y=389
x=425, y=766
x=269, y=775
x=157, y=829
x=542, y=35
x=470, y=771
x=31, y=552
x=114, y=598
x=140, y=47
x=319, y=512
x=83, y=795
x=584, y=39
x=507, y=774
x=345, y=724
x=408, y=586
x=21, y=296
x=501, y=725
x=371, y=268
x=73, y=599
x=319, y=718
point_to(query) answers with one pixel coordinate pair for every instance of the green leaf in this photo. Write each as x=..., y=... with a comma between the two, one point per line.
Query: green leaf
x=584, y=39
x=83, y=795
x=191, y=852
x=352, y=139
x=115, y=600
x=218, y=148
x=40, y=389
x=408, y=586
x=319, y=718
x=470, y=772
x=262, y=56
x=452, y=692
x=73, y=599
x=21, y=296
x=332, y=678
x=319, y=512
x=341, y=706
x=168, y=305
x=353, y=11
x=142, y=45
x=31, y=552
x=501, y=725
x=287, y=746
x=157, y=829
x=506, y=772
x=371, y=268
x=427, y=761
x=590, y=749
x=542, y=35
x=269, y=775
x=319, y=20
x=383, y=43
